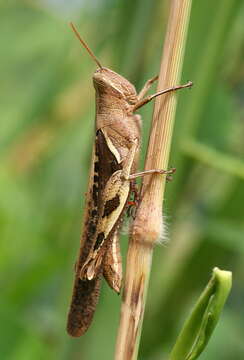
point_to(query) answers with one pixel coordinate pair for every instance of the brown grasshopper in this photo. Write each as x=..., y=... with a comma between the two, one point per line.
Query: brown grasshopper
x=114, y=159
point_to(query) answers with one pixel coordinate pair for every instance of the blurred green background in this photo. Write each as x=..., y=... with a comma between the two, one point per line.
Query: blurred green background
x=47, y=121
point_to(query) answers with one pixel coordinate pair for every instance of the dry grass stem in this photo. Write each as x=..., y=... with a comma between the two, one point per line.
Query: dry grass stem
x=148, y=226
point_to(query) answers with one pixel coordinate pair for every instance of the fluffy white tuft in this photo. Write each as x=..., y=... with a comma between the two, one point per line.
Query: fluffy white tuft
x=164, y=231
x=163, y=238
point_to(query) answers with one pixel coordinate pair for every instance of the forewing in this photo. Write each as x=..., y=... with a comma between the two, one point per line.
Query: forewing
x=86, y=292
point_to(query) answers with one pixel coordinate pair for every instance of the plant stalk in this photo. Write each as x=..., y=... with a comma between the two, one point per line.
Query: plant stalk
x=148, y=227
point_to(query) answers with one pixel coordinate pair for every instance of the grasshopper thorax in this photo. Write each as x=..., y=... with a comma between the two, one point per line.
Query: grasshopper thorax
x=107, y=81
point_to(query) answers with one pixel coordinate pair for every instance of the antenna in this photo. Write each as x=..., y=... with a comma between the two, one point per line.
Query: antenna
x=85, y=45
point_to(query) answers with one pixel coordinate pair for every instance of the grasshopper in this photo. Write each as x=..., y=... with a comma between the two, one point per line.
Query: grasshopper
x=114, y=159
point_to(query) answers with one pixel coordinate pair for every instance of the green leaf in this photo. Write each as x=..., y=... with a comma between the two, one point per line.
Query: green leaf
x=200, y=325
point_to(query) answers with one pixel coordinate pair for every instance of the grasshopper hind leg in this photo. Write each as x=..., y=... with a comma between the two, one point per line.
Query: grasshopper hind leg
x=112, y=264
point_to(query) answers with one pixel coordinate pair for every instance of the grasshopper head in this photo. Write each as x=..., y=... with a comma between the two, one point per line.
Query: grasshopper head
x=109, y=82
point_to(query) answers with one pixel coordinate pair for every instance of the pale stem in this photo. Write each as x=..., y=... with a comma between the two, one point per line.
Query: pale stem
x=148, y=226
